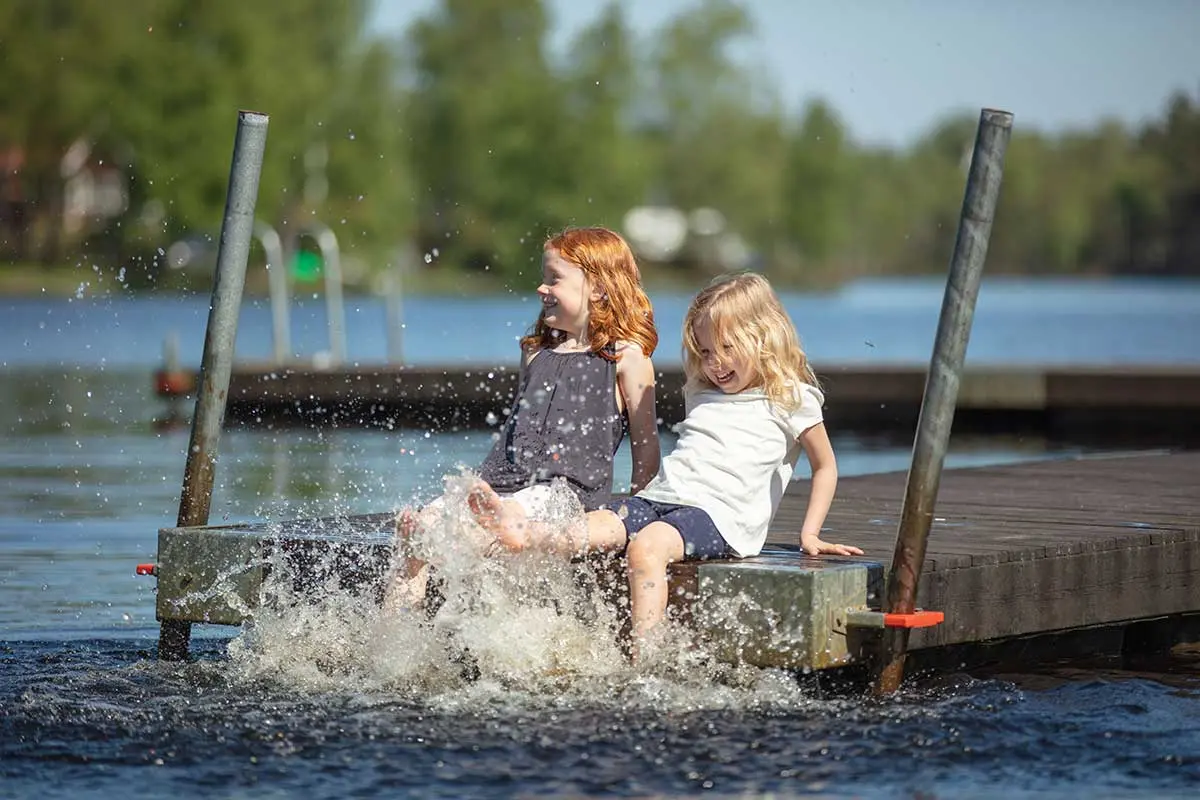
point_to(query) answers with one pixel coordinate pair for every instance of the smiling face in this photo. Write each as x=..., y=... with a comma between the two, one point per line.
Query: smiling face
x=720, y=361
x=566, y=294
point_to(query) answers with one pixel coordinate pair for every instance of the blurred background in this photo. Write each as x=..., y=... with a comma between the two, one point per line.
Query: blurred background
x=816, y=141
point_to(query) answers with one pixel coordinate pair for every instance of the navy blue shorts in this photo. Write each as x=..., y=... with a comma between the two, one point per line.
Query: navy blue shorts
x=700, y=537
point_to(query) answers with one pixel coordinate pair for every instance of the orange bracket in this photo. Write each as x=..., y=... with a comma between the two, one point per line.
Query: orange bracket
x=147, y=569
x=174, y=383
x=879, y=619
x=917, y=619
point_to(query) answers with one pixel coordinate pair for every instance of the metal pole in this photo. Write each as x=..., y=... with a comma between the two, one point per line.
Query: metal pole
x=217, y=362
x=941, y=385
x=335, y=310
x=277, y=285
x=394, y=299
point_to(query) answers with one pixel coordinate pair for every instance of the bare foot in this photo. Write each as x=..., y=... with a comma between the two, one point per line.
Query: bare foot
x=504, y=519
x=409, y=575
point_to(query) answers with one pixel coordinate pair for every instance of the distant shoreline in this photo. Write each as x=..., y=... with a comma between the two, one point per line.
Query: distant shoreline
x=39, y=283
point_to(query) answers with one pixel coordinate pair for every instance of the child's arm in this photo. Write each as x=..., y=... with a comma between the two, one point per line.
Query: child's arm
x=635, y=379
x=819, y=451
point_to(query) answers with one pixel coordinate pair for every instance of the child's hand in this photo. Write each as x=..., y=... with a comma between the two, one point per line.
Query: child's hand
x=814, y=546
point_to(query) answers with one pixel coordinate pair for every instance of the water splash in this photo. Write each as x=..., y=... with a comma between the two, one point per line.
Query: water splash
x=527, y=629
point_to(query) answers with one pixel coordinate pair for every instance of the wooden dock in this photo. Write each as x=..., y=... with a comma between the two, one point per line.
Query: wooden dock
x=1105, y=550
x=1146, y=405
x=1027, y=559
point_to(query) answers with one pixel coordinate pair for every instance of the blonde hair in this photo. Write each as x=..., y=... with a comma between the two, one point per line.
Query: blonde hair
x=745, y=312
x=623, y=312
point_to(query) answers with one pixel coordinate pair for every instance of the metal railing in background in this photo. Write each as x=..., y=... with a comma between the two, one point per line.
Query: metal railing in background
x=331, y=267
x=277, y=285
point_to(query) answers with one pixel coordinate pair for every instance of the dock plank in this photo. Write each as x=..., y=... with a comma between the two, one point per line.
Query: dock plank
x=1036, y=547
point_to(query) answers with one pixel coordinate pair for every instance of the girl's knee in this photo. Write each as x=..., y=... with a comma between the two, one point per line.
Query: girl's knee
x=654, y=546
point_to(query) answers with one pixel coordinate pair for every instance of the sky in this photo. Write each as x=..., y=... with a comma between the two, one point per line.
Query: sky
x=892, y=69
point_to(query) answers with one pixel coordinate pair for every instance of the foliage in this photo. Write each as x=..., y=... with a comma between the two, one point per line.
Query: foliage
x=473, y=136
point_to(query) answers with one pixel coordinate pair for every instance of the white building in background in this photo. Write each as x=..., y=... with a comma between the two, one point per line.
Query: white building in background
x=665, y=234
x=93, y=191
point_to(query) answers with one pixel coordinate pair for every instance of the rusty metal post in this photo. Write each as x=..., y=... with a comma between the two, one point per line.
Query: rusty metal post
x=237, y=230
x=941, y=385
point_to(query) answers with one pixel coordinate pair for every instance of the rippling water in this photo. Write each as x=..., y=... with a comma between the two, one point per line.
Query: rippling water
x=532, y=698
x=98, y=718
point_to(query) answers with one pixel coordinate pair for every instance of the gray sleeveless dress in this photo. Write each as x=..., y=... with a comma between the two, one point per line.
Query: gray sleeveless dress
x=564, y=424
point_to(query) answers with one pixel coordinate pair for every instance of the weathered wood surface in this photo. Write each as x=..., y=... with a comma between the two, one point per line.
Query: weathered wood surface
x=1137, y=402
x=1015, y=551
x=1036, y=547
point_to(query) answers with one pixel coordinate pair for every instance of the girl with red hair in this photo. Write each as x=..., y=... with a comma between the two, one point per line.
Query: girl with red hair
x=586, y=380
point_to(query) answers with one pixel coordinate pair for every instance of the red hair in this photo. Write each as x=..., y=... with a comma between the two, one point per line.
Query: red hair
x=623, y=312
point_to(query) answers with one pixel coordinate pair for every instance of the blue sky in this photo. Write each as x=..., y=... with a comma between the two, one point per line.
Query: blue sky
x=892, y=68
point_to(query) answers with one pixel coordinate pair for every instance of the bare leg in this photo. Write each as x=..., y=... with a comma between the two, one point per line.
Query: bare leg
x=507, y=520
x=650, y=551
x=410, y=575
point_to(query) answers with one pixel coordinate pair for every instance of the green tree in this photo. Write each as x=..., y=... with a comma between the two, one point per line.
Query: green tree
x=485, y=132
x=718, y=132
x=606, y=165
x=1175, y=142
x=815, y=184
x=154, y=87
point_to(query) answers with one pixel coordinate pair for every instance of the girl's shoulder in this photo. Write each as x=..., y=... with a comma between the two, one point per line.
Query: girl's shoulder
x=807, y=410
x=629, y=354
x=528, y=354
x=799, y=397
x=808, y=395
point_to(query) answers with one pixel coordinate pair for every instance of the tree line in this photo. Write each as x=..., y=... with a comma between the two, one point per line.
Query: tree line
x=469, y=137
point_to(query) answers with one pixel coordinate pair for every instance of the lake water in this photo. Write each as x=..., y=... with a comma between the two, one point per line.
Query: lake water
x=334, y=702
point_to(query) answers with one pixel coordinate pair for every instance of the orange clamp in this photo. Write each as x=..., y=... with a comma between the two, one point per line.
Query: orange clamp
x=917, y=619
x=878, y=619
x=147, y=569
x=174, y=383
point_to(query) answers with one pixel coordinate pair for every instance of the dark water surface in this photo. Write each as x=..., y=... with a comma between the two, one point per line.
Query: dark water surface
x=334, y=701
x=103, y=718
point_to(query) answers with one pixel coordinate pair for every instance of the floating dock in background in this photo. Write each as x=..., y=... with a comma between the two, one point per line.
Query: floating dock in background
x=1151, y=405
x=1038, y=559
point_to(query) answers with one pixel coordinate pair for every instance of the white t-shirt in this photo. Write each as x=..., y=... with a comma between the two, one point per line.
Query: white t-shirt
x=734, y=459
